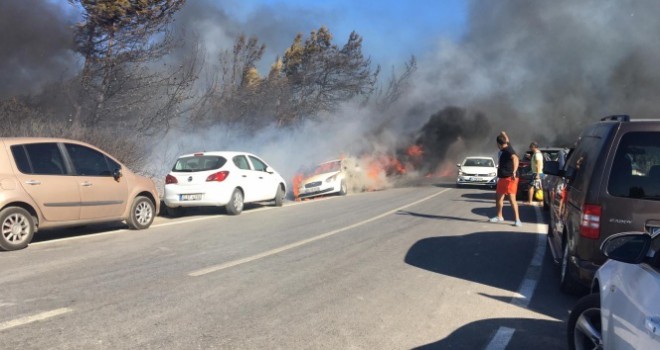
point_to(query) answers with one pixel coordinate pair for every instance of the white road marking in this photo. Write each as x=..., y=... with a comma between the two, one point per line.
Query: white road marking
x=528, y=285
x=34, y=318
x=501, y=338
x=233, y=263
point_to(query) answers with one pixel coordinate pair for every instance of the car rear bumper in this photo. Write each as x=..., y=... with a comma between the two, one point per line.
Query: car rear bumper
x=474, y=180
x=210, y=197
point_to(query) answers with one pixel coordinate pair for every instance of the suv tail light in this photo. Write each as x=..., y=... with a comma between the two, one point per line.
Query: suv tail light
x=590, y=221
x=169, y=179
x=219, y=176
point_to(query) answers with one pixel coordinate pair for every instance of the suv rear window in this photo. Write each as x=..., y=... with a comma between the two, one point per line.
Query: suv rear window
x=198, y=163
x=636, y=169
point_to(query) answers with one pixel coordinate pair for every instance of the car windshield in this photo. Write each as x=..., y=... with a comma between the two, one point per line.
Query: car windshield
x=636, y=169
x=479, y=162
x=328, y=167
x=198, y=163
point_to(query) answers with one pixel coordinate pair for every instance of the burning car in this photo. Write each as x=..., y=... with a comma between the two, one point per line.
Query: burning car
x=326, y=178
x=477, y=171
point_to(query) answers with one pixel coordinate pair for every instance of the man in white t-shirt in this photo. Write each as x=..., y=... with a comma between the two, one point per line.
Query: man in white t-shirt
x=536, y=163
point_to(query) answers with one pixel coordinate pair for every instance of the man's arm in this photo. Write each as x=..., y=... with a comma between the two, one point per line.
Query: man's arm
x=514, y=157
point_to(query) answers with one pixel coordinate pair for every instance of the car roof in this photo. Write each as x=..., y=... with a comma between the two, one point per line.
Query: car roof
x=479, y=157
x=19, y=140
x=226, y=154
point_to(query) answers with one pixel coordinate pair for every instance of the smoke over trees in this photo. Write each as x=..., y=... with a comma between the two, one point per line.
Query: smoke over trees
x=167, y=68
x=128, y=82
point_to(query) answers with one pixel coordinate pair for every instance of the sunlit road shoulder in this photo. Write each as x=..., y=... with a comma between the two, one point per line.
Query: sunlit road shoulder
x=403, y=268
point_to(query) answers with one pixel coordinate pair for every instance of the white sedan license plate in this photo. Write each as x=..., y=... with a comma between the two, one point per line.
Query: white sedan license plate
x=312, y=190
x=191, y=197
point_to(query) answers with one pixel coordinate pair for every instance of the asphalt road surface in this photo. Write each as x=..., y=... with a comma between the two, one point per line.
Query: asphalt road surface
x=416, y=267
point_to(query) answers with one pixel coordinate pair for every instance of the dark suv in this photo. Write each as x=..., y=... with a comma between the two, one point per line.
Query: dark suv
x=610, y=183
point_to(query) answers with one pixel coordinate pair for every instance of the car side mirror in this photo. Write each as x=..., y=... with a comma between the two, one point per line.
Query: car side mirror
x=458, y=165
x=269, y=170
x=627, y=247
x=117, y=174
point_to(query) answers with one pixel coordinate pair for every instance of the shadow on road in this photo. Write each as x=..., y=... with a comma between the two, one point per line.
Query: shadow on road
x=436, y=217
x=490, y=195
x=529, y=334
x=74, y=231
x=493, y=259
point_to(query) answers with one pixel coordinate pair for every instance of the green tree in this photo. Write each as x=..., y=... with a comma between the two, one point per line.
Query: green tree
x=321, y=75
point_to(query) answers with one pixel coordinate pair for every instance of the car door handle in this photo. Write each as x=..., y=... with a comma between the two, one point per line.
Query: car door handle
x=33, y=182
x=261, y=177
x=653, y=325
x=244, y=175
x=86, y=184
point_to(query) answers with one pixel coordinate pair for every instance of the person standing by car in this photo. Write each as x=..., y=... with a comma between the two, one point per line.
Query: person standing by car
x=507, y=184
x=536, y=163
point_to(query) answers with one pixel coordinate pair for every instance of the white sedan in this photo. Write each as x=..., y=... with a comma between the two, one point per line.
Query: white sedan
x=326, y=178
x=477, y=171
x=623, y=311
x=227, y=179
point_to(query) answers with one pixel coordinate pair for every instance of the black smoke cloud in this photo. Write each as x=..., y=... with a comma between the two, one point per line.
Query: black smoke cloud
x=36, y=44
x=544, y=69
x=448, y=126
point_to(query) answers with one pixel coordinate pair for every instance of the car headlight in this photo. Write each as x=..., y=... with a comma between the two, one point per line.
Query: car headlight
x=492, y=174
x=460, y=173
x=331, y=178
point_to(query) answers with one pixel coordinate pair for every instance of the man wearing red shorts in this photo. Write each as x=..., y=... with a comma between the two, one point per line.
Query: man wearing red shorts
x=507, y=182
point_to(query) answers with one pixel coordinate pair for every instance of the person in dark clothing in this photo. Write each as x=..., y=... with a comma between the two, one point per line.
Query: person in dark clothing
x=507, y=179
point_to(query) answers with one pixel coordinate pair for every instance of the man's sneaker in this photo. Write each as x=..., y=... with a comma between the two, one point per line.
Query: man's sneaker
x=518, y=223
x=495, y=219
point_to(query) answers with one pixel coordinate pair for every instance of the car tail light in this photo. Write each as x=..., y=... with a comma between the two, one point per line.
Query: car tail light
x=590, y=221
x=169, y=179
x=219, y=176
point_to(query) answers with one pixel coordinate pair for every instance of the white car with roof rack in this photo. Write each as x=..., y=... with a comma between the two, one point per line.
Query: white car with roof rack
x=216, y=179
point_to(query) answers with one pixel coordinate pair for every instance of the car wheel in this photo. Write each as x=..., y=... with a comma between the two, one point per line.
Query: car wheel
x=567, y=282
x=17, y=228
x=343, y=189
x=175, y=212
x=235, y=205
x=279, y=196
x=584, y=324
x=142, y=213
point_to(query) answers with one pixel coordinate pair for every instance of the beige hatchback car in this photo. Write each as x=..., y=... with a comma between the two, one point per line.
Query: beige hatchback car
x=47, y=182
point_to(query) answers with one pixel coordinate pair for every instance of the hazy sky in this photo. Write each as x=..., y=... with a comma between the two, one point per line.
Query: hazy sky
x=392, y=29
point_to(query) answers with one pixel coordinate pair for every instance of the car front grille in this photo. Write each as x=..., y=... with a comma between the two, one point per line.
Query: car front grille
x=313, y=184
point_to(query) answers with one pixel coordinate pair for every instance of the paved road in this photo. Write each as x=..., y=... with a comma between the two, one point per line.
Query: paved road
x=415, y=267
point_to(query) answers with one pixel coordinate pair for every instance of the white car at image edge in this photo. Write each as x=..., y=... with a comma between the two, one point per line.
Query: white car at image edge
x=623, y=311
x=214, y=179
x=479, y=171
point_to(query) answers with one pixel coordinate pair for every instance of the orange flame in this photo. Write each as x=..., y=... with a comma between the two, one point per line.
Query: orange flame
x=297, y=180
x=415, y=151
